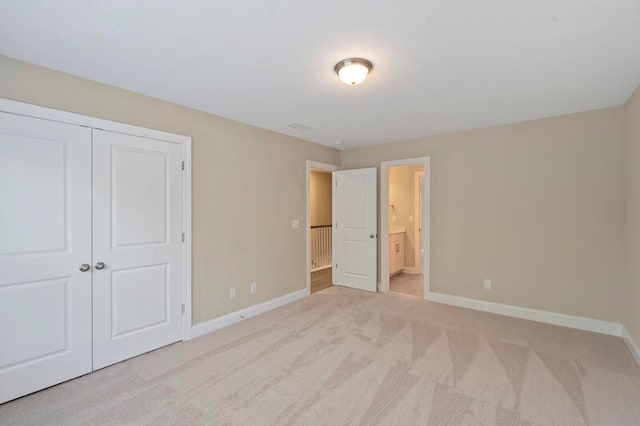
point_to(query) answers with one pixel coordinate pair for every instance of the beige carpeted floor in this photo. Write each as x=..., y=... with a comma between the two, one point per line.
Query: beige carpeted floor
x=348, y=357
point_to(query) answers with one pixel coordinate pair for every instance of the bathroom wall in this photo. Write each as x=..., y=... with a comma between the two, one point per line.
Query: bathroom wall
x=402, y=197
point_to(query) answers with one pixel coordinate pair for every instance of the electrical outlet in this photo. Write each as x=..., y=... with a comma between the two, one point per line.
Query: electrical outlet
x=254, y=288
x=232, y=293
x=487, y=284
x=295, y=224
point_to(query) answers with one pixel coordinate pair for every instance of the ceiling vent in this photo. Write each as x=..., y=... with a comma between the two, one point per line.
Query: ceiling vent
x=298, y=126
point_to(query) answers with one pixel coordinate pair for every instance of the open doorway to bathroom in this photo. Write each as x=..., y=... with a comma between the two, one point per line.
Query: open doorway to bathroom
x=405, y=275
x=404, y=240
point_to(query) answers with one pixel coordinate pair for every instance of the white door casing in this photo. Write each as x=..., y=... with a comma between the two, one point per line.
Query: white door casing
x=421, y=216
x=137, y=232
x=419, y=250
x=45, y=235
x=355, y=228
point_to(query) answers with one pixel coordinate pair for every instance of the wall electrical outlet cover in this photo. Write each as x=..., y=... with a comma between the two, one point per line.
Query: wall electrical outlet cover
x=232, y=293
x=487, y=284
x=253, y=287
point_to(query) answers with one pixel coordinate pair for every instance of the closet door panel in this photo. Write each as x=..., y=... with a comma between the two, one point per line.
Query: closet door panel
x=45, y=235
x=137, y=220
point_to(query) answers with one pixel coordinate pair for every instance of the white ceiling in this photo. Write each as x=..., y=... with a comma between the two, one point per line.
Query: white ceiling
x=439, y=66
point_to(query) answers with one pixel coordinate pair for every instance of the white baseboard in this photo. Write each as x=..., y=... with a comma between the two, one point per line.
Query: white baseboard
x=633, y=346
x=571, y=321
x=237, y=316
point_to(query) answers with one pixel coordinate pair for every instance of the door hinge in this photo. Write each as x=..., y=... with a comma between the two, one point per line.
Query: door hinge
x=183, y=165
x=183, y=308
x=183, y=237
x=336, y=266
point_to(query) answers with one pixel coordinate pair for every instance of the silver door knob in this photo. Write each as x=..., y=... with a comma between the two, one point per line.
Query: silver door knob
x=371, y=236
x=84, y=267
x=99, y=266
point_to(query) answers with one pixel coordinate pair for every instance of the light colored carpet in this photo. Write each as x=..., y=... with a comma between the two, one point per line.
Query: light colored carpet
x=343, y=356
x=411, y=284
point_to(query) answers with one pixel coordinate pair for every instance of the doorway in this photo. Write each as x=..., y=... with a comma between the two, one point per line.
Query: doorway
x=405, y=227
x=319, y=226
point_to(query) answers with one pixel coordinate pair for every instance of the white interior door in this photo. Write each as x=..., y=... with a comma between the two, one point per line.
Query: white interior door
x=355, y=239
x=45, y=236
x=137, y=230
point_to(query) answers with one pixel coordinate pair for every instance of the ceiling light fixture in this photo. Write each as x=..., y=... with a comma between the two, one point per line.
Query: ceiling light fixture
x=353, y=71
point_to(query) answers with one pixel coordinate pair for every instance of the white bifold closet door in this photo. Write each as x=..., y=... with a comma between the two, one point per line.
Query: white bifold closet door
x=45, y=236
x=90, y=250
x=137, y=231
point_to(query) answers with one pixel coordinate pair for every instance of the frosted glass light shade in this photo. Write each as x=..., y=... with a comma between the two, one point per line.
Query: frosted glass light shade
x=353, y=71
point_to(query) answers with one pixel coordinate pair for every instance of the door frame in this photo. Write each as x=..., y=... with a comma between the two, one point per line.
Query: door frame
x=307, y=223
x=425, y=219
x=44, y=113
x=417, y=254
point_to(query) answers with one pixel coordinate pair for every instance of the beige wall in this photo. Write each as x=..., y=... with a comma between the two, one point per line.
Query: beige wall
x=538, y=207
x=248, y=184
x=632, y=156
x=402, y=196
x=320, y=198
